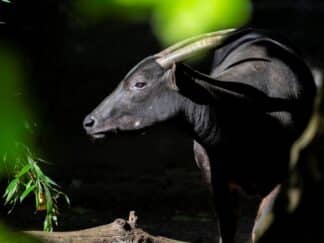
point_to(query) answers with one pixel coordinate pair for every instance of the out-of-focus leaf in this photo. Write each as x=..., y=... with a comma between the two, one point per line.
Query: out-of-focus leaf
x=173, y=20
x=13, y=109
x=177, y=20
x=8, y=236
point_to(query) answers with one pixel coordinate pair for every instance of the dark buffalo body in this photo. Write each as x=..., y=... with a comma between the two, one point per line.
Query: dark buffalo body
x=244, y=116
x=271, y=101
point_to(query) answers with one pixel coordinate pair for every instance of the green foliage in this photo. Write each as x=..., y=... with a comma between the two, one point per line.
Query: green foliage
x=7, y=236
x=29, y=178
x=16, y=160
x=14, y=112
x=13, y=108
x=177, y=20
x=172, y=20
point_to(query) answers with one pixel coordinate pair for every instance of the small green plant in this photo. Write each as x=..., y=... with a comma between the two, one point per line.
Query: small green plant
x=29, y=178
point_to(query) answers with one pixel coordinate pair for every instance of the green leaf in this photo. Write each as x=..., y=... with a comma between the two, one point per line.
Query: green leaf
x=11, y=189
x=67, y=199
x=27, y=191
x=14, y=201
x=29, y=183
x=46, y=224
x=36, y=198
x=30, y=178
x=11, y=186
x=49, y=201
x=50, y=181
x=36, y=167
x=24, y=170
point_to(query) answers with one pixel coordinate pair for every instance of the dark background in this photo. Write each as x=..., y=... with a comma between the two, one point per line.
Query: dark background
x=71, y=66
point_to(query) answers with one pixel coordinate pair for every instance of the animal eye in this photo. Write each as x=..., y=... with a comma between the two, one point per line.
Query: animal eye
x=140, y=85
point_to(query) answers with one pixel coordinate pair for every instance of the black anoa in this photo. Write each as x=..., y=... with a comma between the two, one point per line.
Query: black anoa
x=243, y=117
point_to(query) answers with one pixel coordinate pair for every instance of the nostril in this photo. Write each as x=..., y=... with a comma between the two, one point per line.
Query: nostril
x=89, y=122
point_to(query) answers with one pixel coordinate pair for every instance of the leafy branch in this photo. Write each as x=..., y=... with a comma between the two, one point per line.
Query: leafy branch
x=29, y=178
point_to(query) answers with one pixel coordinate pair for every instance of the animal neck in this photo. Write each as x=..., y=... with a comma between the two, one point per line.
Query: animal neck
x=202, y=122
x=199, y=114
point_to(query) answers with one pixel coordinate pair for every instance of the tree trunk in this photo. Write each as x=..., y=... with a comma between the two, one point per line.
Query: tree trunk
x=119, y=231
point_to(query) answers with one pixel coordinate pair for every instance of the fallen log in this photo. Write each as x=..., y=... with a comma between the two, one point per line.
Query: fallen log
x=119, y=231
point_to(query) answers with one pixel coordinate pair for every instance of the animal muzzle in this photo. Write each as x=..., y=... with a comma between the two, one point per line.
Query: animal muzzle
x=90, y=125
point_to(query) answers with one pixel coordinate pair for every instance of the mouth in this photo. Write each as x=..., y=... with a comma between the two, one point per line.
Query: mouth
x=98, y=135
x=103, y=134
x=111, y=132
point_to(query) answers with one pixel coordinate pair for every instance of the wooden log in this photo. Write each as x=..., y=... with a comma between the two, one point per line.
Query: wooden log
x=119, y=231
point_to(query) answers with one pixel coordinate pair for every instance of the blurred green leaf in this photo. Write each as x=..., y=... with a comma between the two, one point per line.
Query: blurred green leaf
x=172, y=20
x=8, y=236
x=13, y=110
x=177, y=20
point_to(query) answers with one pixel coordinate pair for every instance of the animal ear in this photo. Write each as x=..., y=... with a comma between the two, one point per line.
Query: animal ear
x=188, y=86
x=205, y=89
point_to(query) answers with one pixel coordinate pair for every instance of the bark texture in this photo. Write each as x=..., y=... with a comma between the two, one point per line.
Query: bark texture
x=119, y=231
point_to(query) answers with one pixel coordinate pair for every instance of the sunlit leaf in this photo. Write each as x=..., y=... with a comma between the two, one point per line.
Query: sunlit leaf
x=11, y=189
x=24, y=170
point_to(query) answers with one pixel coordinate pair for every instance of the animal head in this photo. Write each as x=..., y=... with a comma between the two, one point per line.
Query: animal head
x=148, y=94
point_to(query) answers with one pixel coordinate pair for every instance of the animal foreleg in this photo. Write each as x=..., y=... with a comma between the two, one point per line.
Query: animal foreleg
x=226, y=206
